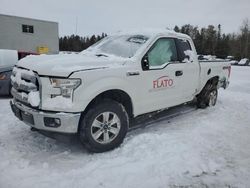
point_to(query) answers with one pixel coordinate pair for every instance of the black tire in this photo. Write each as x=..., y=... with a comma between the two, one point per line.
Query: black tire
x=201, y=104
x=208, y=98
x=86, y=126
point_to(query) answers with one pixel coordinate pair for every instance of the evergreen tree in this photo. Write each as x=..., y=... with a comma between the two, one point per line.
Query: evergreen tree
x=245, y=38
x=208, y=40
x=77, y=43
x=176, y=29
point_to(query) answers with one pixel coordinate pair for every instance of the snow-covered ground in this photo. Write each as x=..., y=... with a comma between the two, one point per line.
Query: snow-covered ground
x=201, y=148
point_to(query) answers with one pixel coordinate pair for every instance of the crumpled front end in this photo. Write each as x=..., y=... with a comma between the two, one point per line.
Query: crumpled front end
x=25, y=87
x=27, y=104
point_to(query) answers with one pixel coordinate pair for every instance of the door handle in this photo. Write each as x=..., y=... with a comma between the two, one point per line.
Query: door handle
x=133, y=73
x=178, y=73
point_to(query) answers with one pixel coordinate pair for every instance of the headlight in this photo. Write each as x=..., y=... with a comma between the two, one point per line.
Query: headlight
x=67, y=86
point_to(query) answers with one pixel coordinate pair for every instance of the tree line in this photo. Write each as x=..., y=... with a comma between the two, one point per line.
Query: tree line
x=77, y=43
x=208, y=40
x=211, y=41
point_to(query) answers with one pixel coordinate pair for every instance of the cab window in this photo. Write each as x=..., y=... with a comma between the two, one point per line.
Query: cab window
x=182, y=45
x=162, y=52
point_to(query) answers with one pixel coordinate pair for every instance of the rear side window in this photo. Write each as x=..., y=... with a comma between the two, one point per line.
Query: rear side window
x=182, y=46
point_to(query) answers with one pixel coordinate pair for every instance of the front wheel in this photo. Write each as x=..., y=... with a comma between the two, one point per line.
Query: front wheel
x=104, y=126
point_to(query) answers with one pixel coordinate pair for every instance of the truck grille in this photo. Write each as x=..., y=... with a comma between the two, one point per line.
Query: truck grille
x=23, y=82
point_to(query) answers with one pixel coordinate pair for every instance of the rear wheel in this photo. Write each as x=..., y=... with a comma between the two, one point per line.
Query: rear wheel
x=208, y=98
x=213, y=97
x=104, y=126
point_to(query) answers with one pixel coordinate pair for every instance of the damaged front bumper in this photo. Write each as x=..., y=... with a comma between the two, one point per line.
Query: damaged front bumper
x=49, y=121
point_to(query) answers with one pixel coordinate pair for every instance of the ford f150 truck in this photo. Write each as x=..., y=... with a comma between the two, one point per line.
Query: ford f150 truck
x=97, y=92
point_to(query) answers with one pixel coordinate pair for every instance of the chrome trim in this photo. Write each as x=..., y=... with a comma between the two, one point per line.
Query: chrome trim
x=39, y=89
x=19, y=96
x=23, y=87
x=21, y=91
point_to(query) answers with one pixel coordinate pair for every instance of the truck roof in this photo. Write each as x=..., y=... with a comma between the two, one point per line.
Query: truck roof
x=152, y=32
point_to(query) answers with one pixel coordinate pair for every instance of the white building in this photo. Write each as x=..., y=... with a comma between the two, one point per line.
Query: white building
x=28, y=35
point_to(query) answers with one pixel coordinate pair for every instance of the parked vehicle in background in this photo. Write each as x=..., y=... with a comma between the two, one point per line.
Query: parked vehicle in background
x=97, y=92
x=231, y=60
x=230, y=57
x=8, y=58
x=244, y=62
x=234, y=62
x=22, y=54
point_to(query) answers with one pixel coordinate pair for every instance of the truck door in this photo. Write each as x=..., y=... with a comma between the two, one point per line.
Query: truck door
x=161, y=77
x=191, y=69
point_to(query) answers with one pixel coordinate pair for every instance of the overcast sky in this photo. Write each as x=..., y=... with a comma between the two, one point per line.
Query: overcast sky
x=96, y=16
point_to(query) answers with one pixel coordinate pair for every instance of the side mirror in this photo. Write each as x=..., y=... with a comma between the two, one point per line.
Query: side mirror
x=187, y=57
x=145, y=62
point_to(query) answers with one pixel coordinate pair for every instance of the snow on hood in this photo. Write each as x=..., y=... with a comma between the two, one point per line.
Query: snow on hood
x=64, y=64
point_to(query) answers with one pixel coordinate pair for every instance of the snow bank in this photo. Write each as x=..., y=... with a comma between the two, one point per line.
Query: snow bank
x=198, y=149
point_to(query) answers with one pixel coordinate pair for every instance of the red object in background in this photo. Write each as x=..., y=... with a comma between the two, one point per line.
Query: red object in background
x=229, y=70
x=22, y=54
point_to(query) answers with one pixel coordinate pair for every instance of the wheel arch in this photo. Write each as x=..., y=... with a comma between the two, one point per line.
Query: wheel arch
x=213, y=81
x=116, y=95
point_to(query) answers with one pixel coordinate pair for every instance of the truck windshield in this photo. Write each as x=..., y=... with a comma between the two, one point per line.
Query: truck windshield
x=122, y=46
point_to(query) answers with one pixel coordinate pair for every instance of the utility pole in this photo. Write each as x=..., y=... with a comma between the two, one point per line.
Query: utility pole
x=76, y=26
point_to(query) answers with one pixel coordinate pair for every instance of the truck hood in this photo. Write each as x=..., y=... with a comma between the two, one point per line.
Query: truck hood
x=62, y=65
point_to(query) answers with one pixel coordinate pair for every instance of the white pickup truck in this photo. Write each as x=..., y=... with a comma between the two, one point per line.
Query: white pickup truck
x=97, y=92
